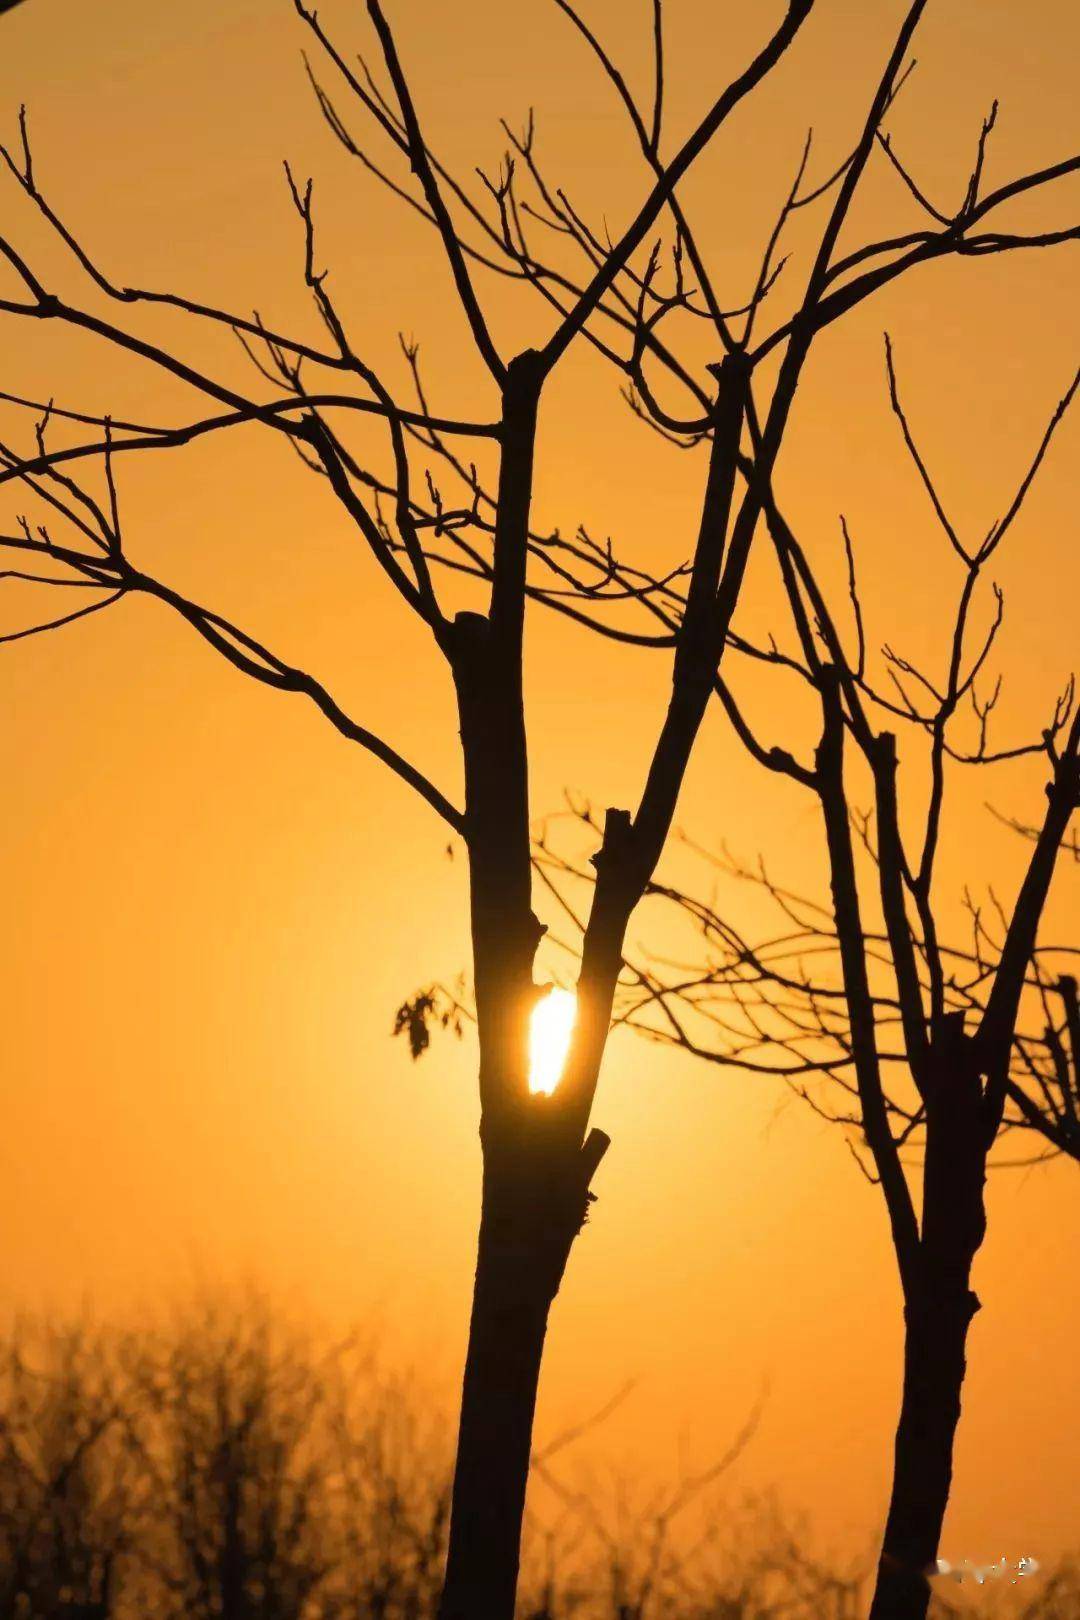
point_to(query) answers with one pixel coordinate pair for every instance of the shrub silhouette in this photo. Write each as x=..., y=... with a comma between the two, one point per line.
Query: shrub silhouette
x=68, y=1502
x=227, y=1467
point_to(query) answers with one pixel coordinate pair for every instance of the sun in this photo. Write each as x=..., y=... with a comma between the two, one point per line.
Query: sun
x=550, y=1030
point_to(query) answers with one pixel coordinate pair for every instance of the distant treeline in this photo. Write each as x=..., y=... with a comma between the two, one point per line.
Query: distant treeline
x=224, y=1467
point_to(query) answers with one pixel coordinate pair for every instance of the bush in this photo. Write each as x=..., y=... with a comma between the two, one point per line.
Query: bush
x=226, y=1468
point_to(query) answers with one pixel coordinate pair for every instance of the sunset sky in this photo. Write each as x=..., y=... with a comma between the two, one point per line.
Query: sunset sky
x=213, y=904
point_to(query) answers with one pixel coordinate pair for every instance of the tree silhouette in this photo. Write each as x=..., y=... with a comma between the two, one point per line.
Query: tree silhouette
x=221, y=1421
x=221, y=1463
x=631, y=302
x=774, y=1005
x=1046, y=1091
x=70, y=1502
x=865, y=988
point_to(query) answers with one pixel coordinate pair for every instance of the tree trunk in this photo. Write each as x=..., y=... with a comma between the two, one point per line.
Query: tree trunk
x=528, y=1223
x=536, y=1166
x=934, y=1365
x=939, y=1307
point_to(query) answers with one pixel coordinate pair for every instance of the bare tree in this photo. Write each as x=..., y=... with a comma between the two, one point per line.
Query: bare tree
x=221, y=1415
x=389, y=1502
x=1045, y=1093
x=69, y=1498
x=630, y=300
x=923, y=1041
x=226, y=1464
x=773, y=1004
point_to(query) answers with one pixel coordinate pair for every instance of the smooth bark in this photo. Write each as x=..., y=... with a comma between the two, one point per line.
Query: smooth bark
x=535, y=1172
x=934, y=1367
x=519, y=1264
x=939, y=1307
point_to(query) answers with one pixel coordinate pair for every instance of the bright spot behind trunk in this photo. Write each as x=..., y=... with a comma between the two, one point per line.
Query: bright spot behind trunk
x=550, y=1029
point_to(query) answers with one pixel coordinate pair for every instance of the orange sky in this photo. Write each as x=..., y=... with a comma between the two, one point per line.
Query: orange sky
x=213, y=905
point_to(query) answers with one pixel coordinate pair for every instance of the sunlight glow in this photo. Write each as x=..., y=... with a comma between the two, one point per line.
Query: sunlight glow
x=550, y=1029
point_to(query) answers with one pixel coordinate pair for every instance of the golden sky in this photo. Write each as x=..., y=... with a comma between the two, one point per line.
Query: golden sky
x=213, y=905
